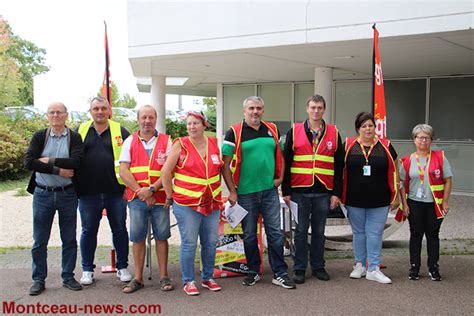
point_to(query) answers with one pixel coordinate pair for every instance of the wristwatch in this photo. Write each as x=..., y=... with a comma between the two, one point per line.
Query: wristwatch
x=152, y=189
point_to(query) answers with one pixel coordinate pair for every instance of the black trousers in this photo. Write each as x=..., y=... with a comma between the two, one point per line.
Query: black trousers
x=423, y=221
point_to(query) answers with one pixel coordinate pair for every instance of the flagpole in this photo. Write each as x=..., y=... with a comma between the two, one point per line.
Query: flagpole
x=107, y=93
x=373, y=70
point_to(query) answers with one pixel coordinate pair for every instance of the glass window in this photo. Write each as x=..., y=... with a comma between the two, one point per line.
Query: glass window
x=405, y=103
x=277, y=98
x=234, y=96
x=302, y=92
x=351, y=98
x=452, y=108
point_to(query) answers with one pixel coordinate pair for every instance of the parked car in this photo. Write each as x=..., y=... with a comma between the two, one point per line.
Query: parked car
x=126, y=114
x=176, y=115
x=27, y=112
x=78, y=116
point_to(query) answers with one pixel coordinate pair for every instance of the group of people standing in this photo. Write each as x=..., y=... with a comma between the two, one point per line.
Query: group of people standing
x=101, y=166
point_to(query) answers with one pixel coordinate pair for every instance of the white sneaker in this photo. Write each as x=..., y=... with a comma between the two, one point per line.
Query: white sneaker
x=87, y=278
x=124, y=275
x=358, y=272
x=378, y=276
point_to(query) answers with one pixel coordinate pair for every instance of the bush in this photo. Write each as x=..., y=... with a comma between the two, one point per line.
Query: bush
x=15, y=135
x=173, y=128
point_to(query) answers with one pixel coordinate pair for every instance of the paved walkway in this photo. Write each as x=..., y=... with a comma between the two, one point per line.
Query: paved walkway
x=341, y=295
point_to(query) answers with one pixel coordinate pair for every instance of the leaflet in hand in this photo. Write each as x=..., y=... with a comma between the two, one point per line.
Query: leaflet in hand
x=234, y=214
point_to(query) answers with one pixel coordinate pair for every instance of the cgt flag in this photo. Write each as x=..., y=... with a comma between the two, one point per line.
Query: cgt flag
x=378, y=94
x=106, y=85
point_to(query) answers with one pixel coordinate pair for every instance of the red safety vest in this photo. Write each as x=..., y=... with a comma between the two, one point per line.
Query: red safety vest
x=392, y=175
x=435, y=178
x=193, y=176
x=237, y=157
x=308, y=164
x=147, y=171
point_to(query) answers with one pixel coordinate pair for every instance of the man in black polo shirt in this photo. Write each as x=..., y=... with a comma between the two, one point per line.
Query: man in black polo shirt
x=253, y=170
x=100, y=187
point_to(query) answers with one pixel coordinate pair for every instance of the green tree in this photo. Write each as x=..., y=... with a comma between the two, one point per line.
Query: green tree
x=210, y=103
x=126, y=101
x=20, y=61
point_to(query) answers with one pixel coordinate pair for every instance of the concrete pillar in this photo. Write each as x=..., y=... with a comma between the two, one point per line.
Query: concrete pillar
x=158, y=100
x=220, y=113
x=323, y=86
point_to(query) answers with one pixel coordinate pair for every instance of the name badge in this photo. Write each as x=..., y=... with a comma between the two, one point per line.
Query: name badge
x=366, y=170
x=419, y=193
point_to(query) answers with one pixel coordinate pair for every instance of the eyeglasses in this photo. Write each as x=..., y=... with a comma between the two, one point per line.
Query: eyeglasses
x=423, y=138
x=52, y=113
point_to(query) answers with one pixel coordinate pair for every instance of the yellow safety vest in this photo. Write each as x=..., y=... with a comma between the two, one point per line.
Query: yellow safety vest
x=116, y=138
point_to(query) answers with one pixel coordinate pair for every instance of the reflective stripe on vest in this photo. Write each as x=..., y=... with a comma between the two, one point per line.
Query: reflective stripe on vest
x=193, y=174
x=436, y=183
x=147, y=171
x=307, y=163
x=115, y=138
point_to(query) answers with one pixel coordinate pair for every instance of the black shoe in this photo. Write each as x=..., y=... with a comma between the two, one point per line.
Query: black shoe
x=414, y=273
x=321, y=274
x=37, y=288
x=72, y=284
x=299, y=277
x=284, y=281
x=251, y=279
x=434, y=273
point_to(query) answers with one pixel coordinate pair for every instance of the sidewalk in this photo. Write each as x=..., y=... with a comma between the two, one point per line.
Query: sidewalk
x=340, y=295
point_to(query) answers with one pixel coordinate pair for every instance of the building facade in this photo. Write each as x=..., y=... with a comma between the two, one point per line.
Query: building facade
x=285, y=51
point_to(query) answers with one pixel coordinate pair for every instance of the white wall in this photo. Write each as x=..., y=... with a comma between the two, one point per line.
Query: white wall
x=158, y=28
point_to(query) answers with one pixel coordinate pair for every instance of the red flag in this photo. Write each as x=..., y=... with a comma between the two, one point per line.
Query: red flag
x=378, y=94
x=106, y=85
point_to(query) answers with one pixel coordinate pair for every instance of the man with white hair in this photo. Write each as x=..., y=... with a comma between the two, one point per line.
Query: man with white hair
x=54, y=155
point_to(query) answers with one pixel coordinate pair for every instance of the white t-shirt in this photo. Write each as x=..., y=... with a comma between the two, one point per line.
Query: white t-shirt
x=149, y=145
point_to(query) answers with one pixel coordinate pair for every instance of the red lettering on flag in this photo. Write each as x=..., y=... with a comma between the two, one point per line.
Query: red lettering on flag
x=380, y=113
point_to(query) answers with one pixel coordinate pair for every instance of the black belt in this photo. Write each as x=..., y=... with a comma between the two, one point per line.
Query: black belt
x=55, y=189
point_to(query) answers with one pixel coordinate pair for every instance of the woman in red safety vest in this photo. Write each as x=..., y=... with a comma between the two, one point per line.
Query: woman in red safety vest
x=424, y=199
x=196, y=163
x=370, y=190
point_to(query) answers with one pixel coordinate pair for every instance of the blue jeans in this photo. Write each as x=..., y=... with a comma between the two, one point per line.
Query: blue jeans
x=45, y=205
x=266, y=203
x=90, y=208
x=367, y=229
x=312, y=208
x=140, y=212
x=191, y=225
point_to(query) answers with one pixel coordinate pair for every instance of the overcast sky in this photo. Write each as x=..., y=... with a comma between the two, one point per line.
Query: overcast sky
x=72, y=32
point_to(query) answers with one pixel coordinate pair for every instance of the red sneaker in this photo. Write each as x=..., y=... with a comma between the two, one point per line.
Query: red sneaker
x=211, y=285
x=191, y=289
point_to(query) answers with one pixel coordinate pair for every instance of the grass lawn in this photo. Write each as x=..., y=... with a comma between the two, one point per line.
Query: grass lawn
x=14, y=184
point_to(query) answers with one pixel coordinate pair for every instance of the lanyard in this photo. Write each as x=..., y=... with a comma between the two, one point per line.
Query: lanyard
x=367, y=154
x=316, y=136
x=421, y=171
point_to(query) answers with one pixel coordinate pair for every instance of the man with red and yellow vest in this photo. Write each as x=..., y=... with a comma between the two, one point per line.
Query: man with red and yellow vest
x=100, y=187
x=253, y=170
x=314, y=157
x=143, y=155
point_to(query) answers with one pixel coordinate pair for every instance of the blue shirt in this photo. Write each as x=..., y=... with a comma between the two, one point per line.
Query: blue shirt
x=56, y=147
